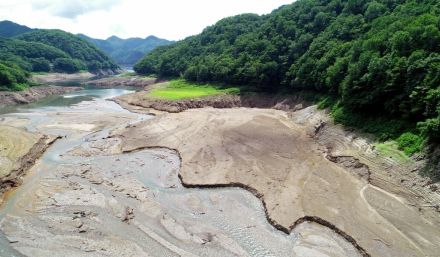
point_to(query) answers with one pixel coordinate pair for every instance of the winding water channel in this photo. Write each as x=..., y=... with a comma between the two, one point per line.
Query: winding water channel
x=86, y=198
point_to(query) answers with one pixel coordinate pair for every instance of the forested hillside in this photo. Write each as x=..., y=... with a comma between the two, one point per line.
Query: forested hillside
x=83, y=55
x=371, y=58
x=127, y=51
x=24, y=50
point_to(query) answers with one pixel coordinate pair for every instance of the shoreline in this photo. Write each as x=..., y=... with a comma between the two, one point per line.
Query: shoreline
x=118, y=81
x=33, y=94
x=13, y=178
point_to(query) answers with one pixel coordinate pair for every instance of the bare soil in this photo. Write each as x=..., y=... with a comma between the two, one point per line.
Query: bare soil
x=132, y=81
x=300, y=164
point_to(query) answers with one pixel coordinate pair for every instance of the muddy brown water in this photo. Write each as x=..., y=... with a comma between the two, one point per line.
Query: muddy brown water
x=86, y=198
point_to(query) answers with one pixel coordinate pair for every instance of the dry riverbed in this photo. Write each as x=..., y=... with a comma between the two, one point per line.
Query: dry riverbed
x=120, y=183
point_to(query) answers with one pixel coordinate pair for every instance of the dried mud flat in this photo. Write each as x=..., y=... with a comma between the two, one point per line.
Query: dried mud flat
x=89, y=197
x=125, y=184
x=287, y=161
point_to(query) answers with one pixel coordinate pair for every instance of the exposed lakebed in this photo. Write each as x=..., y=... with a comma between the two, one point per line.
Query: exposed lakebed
x=85, y=197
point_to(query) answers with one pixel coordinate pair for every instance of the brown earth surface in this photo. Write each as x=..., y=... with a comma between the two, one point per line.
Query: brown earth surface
x=300, y=165
x=132, y=81
x=33, y=94
x=278, y=102
x=19, y=150
x=50, y=78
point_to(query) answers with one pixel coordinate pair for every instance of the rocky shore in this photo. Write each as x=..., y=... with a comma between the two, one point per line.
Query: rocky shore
x=130, y=81
x=33, y=94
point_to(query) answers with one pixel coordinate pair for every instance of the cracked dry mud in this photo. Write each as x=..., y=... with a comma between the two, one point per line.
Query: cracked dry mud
x=90, y=196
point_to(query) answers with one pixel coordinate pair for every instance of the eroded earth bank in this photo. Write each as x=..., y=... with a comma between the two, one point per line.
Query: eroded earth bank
x=256, y=182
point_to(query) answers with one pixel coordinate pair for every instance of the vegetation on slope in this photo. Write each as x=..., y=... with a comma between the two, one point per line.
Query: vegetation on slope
x=82, y=53
x=23, y=50
x=373, y=57
x=181, y=89
x=12, y=77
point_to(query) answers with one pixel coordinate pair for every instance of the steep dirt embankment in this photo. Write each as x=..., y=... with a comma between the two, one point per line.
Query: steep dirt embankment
x=19, y=150
x=132, y=81
x=33, y=94
x=278, y=102
x=290, y=161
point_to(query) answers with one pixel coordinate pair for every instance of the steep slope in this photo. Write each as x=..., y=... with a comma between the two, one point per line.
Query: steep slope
x=127, y=51
x=24, y=50
x=83, y=52
x=11, y=29
x=374, y=57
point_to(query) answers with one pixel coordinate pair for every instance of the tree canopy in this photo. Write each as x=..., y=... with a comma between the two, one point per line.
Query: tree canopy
x=24, y=50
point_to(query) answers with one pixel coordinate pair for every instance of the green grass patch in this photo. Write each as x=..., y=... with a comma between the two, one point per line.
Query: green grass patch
x=182, y=89
x=397, y=137
x=391, y=149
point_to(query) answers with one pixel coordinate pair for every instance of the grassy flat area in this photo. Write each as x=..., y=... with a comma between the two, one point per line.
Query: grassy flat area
x=390, y=149
x=182, y=89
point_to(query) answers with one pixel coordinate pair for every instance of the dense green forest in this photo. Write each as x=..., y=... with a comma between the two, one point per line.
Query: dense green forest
x=82, y=54
x=127, y=51
x=12, y=77
x=24, y=50
x=377, y=63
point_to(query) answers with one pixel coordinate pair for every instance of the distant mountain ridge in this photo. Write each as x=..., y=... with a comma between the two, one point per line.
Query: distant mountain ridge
x=127, y=51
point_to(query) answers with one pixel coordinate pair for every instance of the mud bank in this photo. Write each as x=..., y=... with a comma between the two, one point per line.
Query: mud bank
x=286, y=159
x=278, y=102
x=346, y=148
x=33, y=94
x=114, y=82
x=51, y=78
x=19, y=152
x=87, y=197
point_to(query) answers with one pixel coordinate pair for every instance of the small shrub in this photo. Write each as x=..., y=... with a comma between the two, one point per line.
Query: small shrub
x=410, y=143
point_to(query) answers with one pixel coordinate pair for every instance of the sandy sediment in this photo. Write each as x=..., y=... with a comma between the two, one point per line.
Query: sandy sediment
x=50, y=78
x=19, y=150
x=132, y=81
x=284, y=159
x=33, y=94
